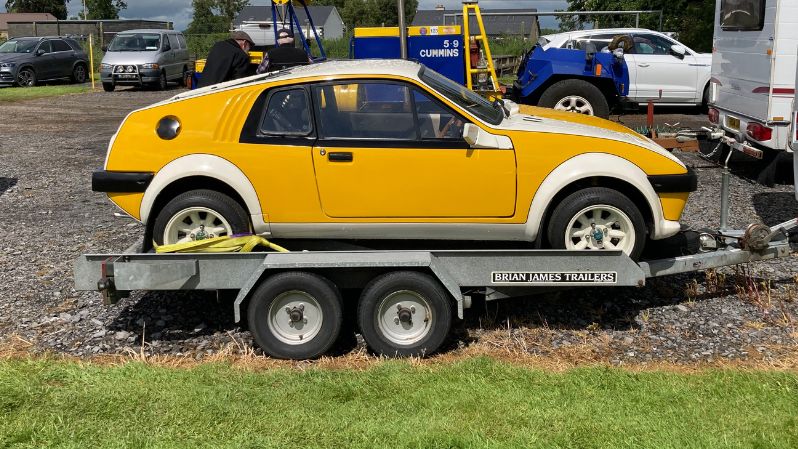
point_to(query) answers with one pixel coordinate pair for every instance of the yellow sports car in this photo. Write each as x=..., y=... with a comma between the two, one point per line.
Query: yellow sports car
x=387, y=149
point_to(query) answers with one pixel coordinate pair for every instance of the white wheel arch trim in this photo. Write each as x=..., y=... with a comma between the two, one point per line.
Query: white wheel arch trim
x=212, y=167
x=598, y=165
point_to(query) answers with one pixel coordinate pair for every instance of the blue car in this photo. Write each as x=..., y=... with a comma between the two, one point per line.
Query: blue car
x=26, y=61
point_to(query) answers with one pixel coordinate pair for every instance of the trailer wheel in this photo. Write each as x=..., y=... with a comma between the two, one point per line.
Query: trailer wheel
x=199, y=214
x=295, y=315
x=405, y=313
x=598, y=218
x=575, y=95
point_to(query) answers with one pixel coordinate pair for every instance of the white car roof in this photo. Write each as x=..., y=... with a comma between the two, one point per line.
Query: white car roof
x=600, y=31
x=366, y=67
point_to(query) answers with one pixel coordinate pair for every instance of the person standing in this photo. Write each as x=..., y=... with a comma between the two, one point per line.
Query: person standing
x=227, y=60
x=284, y=55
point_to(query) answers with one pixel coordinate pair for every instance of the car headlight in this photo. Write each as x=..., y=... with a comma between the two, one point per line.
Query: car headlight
x=7, y=64
x=106, y=66
x=149, y=66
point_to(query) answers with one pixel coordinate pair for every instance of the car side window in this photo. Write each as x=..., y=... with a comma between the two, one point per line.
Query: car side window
x=165, y=45
x=182, y=41
x=365, y=110
x=598, y=41
x=173, y=41
x=287, y=113
x=45, y=45
x=59, y=45
x=650, y=44
x=435, y=121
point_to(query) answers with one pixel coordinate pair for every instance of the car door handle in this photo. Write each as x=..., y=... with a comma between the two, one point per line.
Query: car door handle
x=642, y=65
x=339, y=156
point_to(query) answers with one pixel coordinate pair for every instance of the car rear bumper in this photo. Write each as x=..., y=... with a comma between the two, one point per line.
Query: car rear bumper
x=120, y=182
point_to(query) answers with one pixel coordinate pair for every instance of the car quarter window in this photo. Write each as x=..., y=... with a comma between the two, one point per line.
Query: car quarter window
x=59, y=45
x=436, y=121
x=45, y=45
x=365, y=110
x=287, y=114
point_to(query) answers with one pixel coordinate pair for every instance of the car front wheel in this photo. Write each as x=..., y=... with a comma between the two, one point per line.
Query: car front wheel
x=26, y=77
x=198, y=215
x=598, y=218
x=576, y=96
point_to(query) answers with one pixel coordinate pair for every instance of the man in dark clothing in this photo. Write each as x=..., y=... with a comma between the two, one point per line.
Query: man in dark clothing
x=283, y=56
x=227, y=60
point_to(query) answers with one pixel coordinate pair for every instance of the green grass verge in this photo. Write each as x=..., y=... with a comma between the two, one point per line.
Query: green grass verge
x=9, y=94
x=474, y=403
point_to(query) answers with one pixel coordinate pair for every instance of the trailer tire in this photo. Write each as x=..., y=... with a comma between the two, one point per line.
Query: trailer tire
x=597, y=205
x=575, y=95
x=210, y=206
x=405, y=314
x=295, y=315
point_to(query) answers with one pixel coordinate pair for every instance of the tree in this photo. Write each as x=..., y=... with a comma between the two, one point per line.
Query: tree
x=691, y=19
x=55, y=7
x=103, y=9
x=230, y=8
x=204, y=21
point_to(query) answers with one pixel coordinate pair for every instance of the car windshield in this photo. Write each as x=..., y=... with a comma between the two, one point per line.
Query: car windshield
x=136, y=42
x=19, y=46
x=462, y=96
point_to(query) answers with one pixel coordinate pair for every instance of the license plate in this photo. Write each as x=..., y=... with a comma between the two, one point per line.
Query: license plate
x=127, y=76
x=733, y=123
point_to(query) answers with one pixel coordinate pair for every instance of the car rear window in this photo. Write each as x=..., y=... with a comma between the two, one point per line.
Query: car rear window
x=742, y=15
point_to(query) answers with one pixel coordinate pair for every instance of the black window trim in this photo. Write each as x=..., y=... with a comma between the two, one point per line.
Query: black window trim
x=276, y=90
x=367, y=142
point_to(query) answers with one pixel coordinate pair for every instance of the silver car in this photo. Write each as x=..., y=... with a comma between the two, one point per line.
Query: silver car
x=145, y=58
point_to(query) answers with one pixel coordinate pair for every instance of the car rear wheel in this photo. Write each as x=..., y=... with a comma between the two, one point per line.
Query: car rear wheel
x=576, y=96
x=79, y=74
x=26, y=77
x=198, y=215
x=595, y=219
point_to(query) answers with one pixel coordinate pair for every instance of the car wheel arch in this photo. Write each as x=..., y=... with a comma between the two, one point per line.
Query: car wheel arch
x=203, y=171
x=579, y=172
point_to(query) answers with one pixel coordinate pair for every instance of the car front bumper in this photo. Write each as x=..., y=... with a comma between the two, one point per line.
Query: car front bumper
x=8, y=75
x=144, y=76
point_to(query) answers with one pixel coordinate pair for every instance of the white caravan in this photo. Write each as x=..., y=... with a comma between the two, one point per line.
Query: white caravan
x=754, y=72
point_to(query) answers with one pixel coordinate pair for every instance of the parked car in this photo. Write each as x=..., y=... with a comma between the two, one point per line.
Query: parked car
x=26, y=61
x=388, y=149
x=145, y=58
x=656, y=62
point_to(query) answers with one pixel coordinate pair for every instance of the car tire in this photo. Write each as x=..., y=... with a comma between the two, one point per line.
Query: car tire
x=620, y=221
x=163, y=84
x=79, y=74
x=108, y=87
x=26, y=77
x=295, y=315
x=183, y=81
x=576, y=96
x=199, y=214
x=405, y=314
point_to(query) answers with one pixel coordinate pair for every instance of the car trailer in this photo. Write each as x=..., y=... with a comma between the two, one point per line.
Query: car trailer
x=293, y=302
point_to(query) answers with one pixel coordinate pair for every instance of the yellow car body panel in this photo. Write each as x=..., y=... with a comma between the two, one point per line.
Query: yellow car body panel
x=297, y=184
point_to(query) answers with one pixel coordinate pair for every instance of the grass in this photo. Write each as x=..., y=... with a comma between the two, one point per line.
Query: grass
x=477, y=402
x=11, y=94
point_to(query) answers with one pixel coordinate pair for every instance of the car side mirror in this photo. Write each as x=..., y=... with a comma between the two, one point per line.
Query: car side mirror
x=678, y=51
x=40, y=52
x=104, y=48
x=475, y=137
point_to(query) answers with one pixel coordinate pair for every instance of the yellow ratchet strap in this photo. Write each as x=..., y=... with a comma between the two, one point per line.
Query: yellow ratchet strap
x=242, y=244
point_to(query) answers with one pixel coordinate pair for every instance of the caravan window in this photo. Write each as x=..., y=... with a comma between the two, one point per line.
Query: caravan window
x=742, y=15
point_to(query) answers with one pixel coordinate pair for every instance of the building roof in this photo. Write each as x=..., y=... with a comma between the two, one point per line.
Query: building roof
x=319, y=14
x=494, y=25
x=6, y=17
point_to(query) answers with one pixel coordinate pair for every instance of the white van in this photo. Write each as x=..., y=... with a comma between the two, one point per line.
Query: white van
x=262, y=32
x=754, y=72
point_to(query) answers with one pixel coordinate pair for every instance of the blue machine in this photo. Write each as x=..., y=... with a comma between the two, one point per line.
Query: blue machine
x=439, y=47
x=540, y=68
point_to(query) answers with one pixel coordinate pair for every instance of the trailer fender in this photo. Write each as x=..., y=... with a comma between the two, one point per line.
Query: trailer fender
x=592, y=165
x=209, y=166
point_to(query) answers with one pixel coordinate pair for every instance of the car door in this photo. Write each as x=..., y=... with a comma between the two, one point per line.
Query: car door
x=43, y=61
x=390, y=150
x=654, y=67
x=63, y=57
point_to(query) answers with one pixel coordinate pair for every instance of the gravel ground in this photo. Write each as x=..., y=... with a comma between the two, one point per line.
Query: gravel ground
x=49, y=148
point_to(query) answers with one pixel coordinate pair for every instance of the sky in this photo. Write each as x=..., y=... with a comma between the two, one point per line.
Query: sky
x=179, y=11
